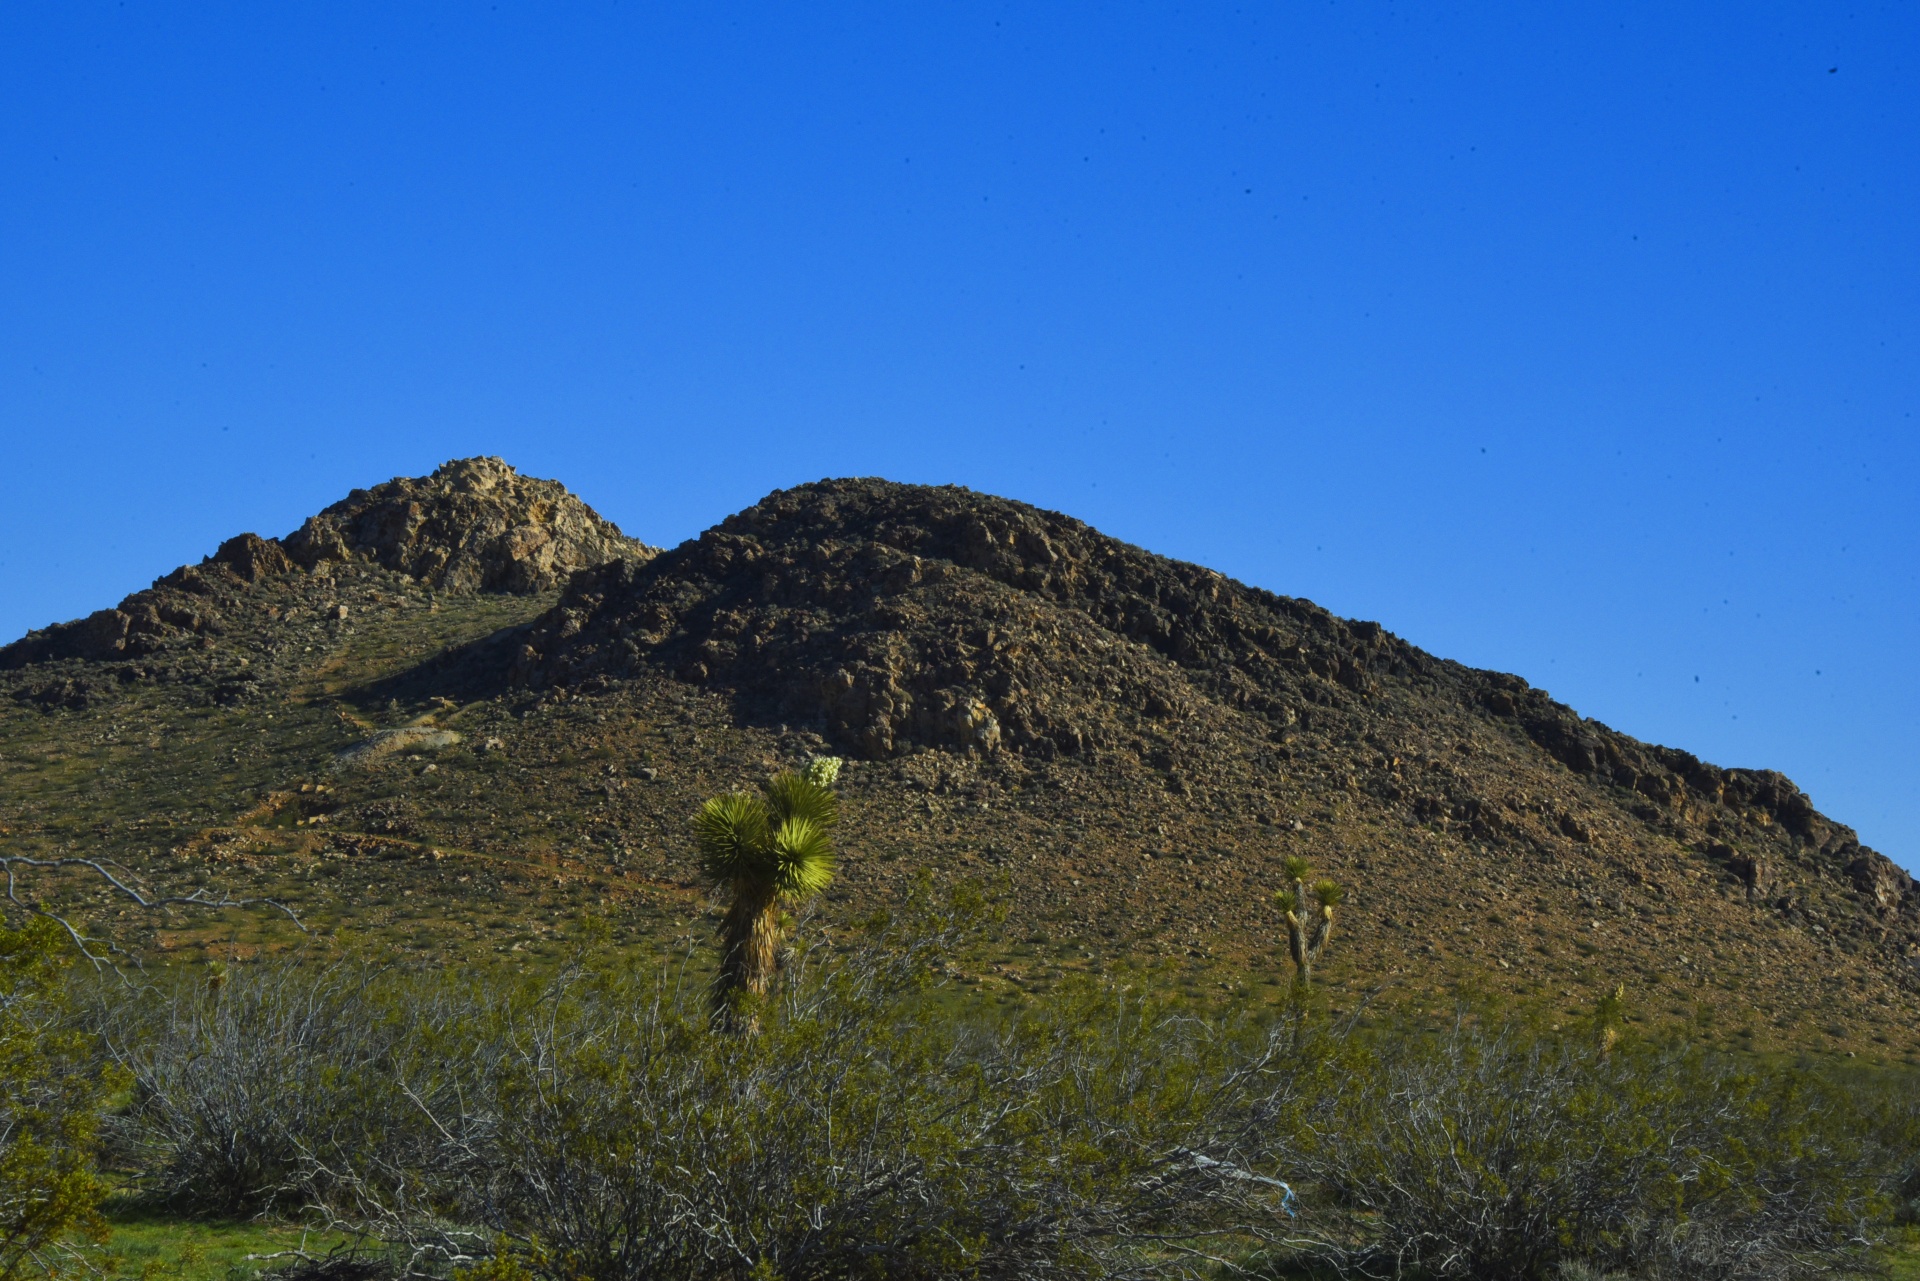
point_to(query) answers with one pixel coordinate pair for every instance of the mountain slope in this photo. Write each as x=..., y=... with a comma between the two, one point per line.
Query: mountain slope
x=1128, y=743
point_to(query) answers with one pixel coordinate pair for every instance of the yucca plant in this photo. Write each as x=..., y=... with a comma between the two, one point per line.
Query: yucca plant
x=765, y=851
x=1309, y=914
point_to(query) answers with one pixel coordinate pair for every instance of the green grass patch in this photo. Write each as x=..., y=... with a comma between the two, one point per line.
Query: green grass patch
x=147, y=1245
x=1902, y=1257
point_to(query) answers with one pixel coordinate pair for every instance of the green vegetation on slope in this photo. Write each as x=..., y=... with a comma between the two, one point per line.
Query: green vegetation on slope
x=875, y=1118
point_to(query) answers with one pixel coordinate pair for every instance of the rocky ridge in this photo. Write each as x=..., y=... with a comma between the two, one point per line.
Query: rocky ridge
x=474, y=525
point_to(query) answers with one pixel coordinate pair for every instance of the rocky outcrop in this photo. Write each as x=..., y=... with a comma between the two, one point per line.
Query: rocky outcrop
x=183, y=607
x=473, y=525
x=1887, y=888
x=251, y=558
x=407, y=738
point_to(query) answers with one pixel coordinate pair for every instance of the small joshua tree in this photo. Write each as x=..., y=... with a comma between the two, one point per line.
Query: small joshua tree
x=1608, y=1014
x=1309, y=913
x=765, y=850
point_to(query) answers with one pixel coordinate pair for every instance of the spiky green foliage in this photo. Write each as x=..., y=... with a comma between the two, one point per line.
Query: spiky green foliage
x=732, y=832
x=778, y=842
x=799, y=796
x=803, y=858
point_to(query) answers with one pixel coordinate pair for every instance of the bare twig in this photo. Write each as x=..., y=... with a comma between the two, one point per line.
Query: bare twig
x=121, y=882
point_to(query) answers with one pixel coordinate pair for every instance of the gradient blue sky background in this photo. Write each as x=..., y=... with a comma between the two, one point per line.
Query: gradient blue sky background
x=1576, y=341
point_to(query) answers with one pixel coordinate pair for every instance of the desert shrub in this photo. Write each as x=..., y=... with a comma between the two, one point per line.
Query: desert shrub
x=858, y=1132
x=1886, y=1098
x=595, y=1125
x=1499, y=1151
x=254, y=1087
x=51, y=1096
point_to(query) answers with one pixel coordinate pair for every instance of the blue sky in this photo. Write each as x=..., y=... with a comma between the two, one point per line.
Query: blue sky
x=1574, y=341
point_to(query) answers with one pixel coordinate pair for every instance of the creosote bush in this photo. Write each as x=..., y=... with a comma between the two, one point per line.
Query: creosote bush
x=613, y=1134
x=51, y=1096
x=1498, y=1150
x=594, y=1125
x=251, y=1086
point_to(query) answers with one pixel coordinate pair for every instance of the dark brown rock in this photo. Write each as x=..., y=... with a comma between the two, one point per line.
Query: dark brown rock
x=1885, y=885
x=897, y=616
x=253, y=558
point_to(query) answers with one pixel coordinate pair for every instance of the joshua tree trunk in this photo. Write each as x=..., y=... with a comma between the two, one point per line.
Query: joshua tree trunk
x=1298, y=950
x=750, y=941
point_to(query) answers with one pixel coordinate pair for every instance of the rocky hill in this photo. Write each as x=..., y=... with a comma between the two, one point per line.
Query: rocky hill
x=1127, y=743
x=475, y=525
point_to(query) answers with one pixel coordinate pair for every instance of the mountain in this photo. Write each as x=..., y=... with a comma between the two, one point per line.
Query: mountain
x=410, y=717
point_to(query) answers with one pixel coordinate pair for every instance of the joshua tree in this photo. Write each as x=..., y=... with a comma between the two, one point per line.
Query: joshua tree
x=1309, y=913
x=1608, y=1014
x=765, y=850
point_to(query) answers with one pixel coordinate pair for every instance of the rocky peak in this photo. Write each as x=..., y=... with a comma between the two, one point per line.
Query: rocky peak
x=252, y=558
x=475, y=524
